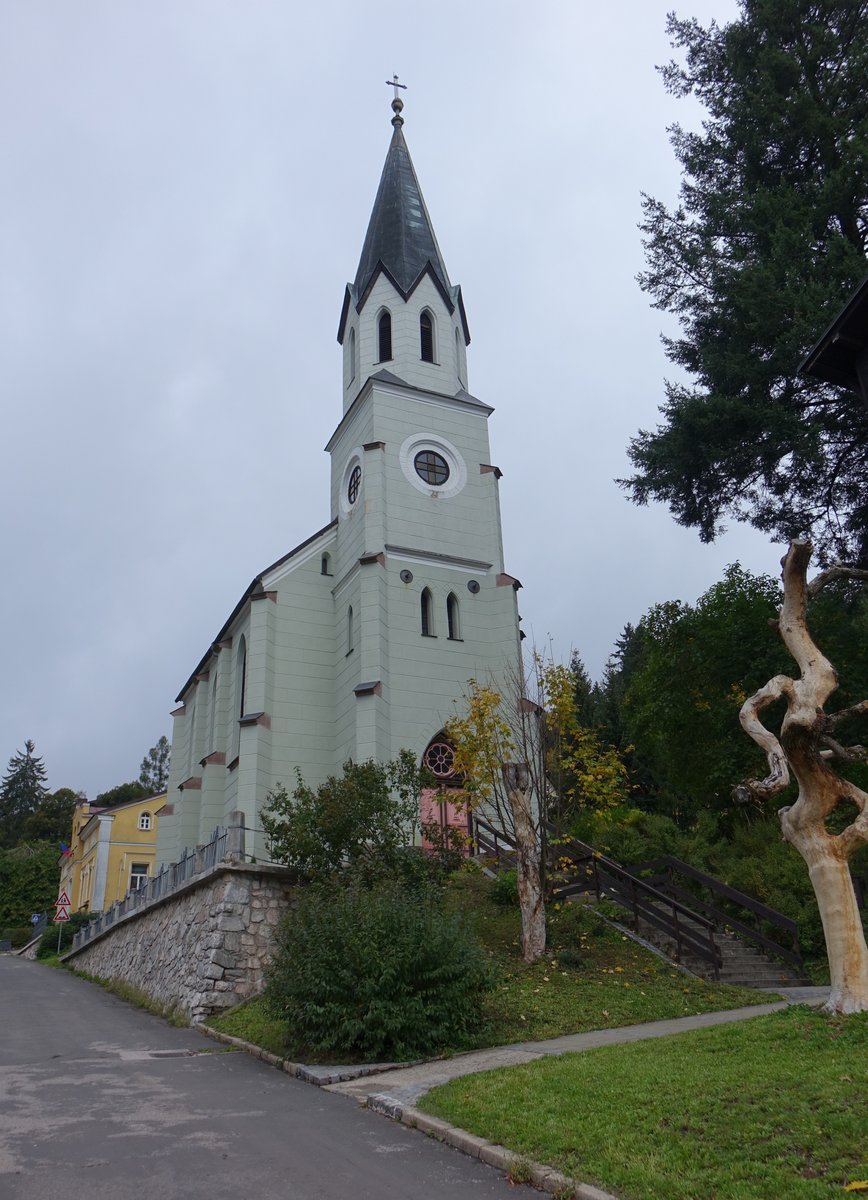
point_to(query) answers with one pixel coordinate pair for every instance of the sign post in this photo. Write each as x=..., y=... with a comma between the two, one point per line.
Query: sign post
x=62, y=904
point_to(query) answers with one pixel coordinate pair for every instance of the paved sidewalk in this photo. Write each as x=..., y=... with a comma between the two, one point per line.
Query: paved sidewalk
x=393, y=1091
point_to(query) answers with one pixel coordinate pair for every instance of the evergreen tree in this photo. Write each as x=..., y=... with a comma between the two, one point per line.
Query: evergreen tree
x=154, y=776
x=765, y=245
x=21, y=792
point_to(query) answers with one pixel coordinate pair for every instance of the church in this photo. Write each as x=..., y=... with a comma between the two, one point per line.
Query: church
x=361, y=640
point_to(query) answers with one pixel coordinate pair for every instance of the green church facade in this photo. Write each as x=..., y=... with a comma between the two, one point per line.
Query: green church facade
x=361, y=641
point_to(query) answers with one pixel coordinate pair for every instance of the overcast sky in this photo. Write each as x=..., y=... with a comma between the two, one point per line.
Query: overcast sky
x=186, y=188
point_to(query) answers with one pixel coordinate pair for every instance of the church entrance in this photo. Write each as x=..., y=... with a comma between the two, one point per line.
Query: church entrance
x=444, y=817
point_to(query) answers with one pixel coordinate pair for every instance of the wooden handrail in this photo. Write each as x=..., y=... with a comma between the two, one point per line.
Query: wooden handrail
x=762, y=911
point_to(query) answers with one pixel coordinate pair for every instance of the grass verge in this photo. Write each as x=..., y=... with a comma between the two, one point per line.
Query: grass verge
x=774, y=1106
x=593, y=978
x=170, y=1013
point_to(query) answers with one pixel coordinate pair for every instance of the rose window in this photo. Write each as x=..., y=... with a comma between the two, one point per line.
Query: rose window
x=440, y=759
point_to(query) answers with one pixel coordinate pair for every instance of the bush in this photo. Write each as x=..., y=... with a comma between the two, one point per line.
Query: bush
x=18, y=935
x=504, y=891
x=376, y=973
x=48, y=944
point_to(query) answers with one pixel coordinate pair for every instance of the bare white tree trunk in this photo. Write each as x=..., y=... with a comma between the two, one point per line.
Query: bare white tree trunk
x=805, y=746
x=517, y=782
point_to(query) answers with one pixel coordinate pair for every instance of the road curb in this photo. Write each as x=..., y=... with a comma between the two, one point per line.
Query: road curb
x=318, y=1076
x=538, y=1175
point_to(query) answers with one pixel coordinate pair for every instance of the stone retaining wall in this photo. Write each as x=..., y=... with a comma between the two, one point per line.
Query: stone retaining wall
x=203, y=948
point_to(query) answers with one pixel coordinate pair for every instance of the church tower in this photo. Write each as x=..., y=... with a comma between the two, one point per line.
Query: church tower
x=413, y=486
x=360, y=642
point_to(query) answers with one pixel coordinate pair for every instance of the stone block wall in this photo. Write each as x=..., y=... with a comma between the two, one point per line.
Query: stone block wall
x=202, y=949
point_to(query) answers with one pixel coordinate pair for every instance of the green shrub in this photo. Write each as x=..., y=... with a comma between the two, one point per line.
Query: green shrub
x=18, y=935
x=375, y=973
x=48, y=944
x=504, y=892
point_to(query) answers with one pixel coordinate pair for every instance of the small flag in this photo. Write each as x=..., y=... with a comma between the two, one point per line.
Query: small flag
x=64, y=849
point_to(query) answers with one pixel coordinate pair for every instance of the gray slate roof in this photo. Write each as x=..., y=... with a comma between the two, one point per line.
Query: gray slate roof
x=400, y=236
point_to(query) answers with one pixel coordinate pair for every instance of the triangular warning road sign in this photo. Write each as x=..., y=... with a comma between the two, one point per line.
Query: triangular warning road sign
x=62, y=901
x=62, y=913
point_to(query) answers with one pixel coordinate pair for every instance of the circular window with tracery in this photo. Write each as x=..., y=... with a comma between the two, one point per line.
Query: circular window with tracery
x=355, y=482
x=440, y=760
x=431, y=467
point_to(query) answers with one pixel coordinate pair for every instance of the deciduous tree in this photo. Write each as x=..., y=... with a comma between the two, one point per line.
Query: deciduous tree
x=809, y=746
x=765, y=244
x=154, y=776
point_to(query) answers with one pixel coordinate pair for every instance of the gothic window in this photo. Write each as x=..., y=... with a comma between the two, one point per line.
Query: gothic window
x=212, y=710
x=426, y=336
x=349, y=629
x=439, y=758
x=325, y=566
x=426, y=614
x=145, y=821
x=384, y=336
x=452, y=620
x=352, y=355
x=241, y=678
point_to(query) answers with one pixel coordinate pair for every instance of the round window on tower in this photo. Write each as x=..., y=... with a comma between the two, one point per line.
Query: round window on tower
x=431, y=467
x=353, y=485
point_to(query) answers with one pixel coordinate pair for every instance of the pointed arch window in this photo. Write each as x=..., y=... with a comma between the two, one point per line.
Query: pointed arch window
x=241, y=678
x=351, y=352
x=453, y=618
x=426, y=336
x=384, y=336
x=426, y=613
x=350, y=629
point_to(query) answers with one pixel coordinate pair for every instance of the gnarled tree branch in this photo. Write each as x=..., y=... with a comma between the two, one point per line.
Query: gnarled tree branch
x=779, y=774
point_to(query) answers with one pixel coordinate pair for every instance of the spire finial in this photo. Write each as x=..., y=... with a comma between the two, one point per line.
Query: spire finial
x=397, y=103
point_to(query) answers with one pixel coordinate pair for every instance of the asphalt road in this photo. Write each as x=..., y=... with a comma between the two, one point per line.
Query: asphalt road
x=101, y=1100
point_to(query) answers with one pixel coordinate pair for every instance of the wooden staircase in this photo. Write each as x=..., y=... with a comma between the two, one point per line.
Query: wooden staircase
x=704, y=925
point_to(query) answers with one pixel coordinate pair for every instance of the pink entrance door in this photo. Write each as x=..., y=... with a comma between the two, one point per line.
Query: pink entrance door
x=437, y=807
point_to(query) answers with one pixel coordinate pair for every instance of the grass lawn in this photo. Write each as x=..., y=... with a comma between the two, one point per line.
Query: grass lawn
x=768, y=1108
x=594, y=978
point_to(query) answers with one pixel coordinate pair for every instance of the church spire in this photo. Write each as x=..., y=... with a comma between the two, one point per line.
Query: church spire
x=400, y=238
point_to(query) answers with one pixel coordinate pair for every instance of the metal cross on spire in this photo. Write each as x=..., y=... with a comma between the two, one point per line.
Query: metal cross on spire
x=397, y=103
x=393, y=83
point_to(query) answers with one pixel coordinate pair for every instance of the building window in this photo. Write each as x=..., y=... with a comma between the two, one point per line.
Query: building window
x=352, y=354
x=384, y=336
x=426, y=614
x=439, y=758
x=325, y=566
x=138, y=876
x=349, y=629
x=431, y=467
x=452, y=621
x=353, y=485
x=426, y=336
x=241, y=678
x=146, y=822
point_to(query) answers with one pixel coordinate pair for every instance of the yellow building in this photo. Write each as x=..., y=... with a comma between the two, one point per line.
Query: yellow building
x=113, y=850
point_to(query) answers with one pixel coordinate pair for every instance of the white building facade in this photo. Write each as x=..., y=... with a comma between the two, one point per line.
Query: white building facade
x=360, y=642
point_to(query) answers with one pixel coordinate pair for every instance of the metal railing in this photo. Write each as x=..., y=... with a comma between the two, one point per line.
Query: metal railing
x=226, y=844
